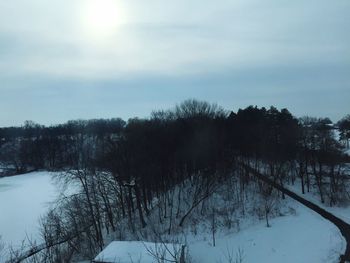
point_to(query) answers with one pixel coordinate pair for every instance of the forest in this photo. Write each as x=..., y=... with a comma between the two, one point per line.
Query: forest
x=162, y=169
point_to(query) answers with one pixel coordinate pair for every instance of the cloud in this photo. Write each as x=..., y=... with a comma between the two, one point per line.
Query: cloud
x=231, y=52
x=180, y=37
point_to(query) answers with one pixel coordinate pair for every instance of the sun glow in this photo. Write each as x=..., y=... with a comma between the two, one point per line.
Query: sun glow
x=102, y=17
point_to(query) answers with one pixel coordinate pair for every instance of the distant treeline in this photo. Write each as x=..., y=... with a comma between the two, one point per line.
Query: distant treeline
x=194, y=135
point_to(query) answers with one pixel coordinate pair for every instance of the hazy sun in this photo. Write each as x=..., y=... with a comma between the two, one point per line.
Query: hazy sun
x=102, y=17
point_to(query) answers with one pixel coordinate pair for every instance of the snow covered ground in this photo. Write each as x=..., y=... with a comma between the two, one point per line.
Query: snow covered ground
x=136, y=251
x=305, y=237
x=23, y=199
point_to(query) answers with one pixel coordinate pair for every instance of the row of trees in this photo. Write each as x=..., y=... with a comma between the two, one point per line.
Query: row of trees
x=34, y=146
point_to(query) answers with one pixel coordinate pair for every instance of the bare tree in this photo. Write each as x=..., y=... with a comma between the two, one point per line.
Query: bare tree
x=269, y=200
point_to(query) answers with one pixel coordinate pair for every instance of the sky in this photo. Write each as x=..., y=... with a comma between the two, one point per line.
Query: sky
x=82, y=59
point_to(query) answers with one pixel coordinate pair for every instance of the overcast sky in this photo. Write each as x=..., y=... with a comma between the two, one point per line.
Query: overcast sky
x=64, y=59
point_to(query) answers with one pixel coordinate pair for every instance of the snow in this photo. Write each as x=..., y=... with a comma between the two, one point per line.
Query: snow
x=23, y=199
x=303, y=238
x=134, y=251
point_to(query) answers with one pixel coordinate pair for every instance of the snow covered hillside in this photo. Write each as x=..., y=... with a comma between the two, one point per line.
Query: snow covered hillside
x=304, y=238
x=296, y=233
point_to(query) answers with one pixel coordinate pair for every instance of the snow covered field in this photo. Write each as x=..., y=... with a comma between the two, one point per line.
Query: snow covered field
x=23, y=199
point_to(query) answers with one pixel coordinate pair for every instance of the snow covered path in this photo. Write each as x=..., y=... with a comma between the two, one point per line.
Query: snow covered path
x=342, y=225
